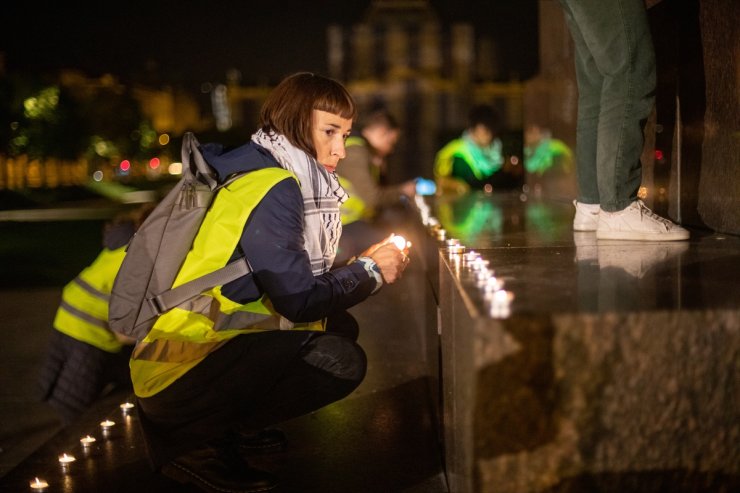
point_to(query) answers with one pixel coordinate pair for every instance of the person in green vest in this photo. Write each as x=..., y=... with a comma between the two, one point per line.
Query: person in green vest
x=543, y=153
x=361, y=177
x=85, y=359
x=474, y=160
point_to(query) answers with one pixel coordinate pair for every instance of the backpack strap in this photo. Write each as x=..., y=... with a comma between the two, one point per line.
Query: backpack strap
x=191, y=156
x=171, y=298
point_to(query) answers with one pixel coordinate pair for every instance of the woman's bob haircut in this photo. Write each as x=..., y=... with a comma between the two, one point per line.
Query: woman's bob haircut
x=288, y=109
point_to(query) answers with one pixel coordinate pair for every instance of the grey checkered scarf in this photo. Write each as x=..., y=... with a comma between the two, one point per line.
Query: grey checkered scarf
x=322, y=196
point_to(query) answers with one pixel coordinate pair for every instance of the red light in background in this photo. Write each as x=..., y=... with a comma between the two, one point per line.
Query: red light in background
x=154, y=163
x=658, y=155
x=125, y=165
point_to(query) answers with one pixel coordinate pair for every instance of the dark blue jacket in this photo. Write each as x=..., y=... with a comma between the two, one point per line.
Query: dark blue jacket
x=272, y=241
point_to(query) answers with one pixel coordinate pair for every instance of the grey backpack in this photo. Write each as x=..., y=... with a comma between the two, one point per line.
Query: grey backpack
x=143, y=287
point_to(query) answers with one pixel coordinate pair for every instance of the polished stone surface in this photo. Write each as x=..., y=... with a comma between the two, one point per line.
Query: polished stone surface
x=615, y=368
x=531, y=246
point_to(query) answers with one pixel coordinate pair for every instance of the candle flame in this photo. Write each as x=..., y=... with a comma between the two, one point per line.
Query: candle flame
x=399, y=241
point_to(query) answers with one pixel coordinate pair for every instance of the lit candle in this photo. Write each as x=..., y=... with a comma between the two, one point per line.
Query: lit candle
x=107, y=425
x=493, y=284
x=482, y=276
x=471, y=256
x=87, y=441
x=452, y=242
x=65, y=460
x=456, y=249
x=399, y=241
x=126, y=407
x=38, y=484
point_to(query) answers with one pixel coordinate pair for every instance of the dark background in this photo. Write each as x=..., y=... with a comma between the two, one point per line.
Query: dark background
x=190, y=42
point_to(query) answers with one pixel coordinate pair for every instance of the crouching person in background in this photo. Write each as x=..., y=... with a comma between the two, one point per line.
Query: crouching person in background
x=85, y=360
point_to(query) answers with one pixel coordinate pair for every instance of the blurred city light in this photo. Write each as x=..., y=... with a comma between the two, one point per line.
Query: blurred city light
x=164, y=139
x=154, y=163
x=43, y=105
x=175, y=169
x=125, y=165
x=98, y=176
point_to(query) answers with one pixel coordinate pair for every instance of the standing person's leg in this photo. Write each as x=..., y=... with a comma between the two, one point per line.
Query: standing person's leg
x=590, y=82
x=617, y=37
x=612, y=40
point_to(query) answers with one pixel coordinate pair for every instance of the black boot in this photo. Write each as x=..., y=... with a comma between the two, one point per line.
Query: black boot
x=218, y=471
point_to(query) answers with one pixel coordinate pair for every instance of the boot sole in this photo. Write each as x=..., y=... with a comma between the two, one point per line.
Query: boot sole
x=182, y=475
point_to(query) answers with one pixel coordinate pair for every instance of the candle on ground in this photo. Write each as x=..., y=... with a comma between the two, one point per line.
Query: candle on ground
x=38, y=484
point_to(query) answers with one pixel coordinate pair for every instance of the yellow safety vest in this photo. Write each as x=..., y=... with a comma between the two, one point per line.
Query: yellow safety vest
x=182, y=337
x=354, y=208
x=83, y=312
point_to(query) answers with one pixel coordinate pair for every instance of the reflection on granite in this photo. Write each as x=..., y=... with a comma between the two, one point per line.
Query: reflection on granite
x=531, y=246
x=616, y=370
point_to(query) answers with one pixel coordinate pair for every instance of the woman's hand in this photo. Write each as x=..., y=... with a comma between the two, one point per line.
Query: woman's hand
x=391, y=260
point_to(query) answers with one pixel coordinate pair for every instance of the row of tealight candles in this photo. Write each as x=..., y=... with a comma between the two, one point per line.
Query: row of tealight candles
x=66, y=460
x=498, y=300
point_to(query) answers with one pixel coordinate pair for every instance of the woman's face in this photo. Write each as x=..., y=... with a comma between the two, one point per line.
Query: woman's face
x=329, y=132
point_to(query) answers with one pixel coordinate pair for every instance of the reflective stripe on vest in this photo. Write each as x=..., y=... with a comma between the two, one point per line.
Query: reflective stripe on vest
x=446, y=157
x=354, y=208
x=460, y=148
x=83, y=312
x=183, y=336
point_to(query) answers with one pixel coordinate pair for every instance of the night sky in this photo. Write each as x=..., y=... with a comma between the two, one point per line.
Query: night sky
x=189, y=42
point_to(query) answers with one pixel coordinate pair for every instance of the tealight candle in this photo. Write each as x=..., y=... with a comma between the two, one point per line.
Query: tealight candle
x=126, y=407
x=65, y=460
x=482, y=276
x=493, y=284
x=87, y=441
x=399, y=241
x=471, y=256
x=38, y=484
x=107, y=425
x=455, y=249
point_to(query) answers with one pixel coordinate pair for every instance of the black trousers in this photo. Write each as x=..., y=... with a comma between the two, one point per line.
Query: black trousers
x=253, y=381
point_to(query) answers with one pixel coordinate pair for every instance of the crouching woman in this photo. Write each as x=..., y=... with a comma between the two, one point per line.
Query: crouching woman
x=211, y=378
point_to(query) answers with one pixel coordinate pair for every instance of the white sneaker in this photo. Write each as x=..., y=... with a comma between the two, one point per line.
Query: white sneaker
x=587, y=216
x=638, y=222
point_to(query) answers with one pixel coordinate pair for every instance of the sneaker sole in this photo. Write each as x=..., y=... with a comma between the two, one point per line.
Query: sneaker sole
x=638, y=236
x=584, y=227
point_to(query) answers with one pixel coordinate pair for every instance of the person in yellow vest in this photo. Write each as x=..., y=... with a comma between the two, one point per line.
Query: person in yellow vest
x=474, y=160
x=273, y=344
x=85, y=358
x=360, y=176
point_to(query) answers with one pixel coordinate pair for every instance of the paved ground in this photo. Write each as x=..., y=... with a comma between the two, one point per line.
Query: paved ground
x=380, y=438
